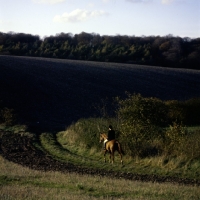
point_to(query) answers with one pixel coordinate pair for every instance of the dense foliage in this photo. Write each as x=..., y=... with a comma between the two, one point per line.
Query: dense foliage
x=147, y=127
x=140, y=119
x=150, y=126
x=7, y=115
x=165, y=51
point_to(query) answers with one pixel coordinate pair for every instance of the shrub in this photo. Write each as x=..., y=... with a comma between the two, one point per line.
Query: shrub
x=192, y=110
x=175, y=139
x=186, y=112
x=191, y=145
x=178, y=141
x=7, y=116
x=88, y=131
x=140, y=119
x=175, y=111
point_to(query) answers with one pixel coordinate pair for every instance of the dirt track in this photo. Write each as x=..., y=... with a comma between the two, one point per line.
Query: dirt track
x=19, y=149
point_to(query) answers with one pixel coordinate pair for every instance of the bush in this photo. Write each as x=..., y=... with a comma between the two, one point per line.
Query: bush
x=186, y=112
x=7, y=116
x=175, y=111
x=174, y=140
x=88, y=131
x=192, y=110
x=140, y=120
x=144, y=127
x=191, y=145
x=178, y=141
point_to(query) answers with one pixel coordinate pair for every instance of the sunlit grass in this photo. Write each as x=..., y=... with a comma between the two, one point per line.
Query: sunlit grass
x=62, y=146
x=61, y=149
x=17, y=182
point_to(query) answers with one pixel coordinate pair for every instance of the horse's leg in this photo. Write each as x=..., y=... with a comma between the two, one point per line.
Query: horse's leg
x=120, y=153
x=121, y=157
x=112, y=156
x=105, y=156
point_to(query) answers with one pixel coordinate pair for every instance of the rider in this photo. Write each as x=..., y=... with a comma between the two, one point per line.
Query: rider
x=111, y=135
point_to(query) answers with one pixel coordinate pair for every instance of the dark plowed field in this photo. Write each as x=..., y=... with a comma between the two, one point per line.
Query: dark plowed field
x=52, y=93
x=20, y=150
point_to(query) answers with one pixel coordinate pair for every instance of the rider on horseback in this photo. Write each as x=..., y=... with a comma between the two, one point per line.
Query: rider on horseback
x=111, y=135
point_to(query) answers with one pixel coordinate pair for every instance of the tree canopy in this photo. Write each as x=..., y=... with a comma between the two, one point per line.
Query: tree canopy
x=166, y=51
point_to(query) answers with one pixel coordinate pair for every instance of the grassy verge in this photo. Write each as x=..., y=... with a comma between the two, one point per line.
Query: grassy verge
x=62, y=149
x=77, y=155
x=65, y=147
x=17, y=182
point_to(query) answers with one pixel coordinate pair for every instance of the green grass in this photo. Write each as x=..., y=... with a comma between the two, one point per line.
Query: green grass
x=65, y=151
x=63, y=146
x=17, y=182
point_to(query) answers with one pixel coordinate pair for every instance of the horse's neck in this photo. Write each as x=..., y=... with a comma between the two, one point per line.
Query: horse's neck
x=105, y=137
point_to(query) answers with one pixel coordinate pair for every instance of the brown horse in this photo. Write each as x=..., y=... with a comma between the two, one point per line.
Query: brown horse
x=111, y=147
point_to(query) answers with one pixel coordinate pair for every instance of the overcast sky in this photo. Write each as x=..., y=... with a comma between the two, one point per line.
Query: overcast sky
x=105, y=17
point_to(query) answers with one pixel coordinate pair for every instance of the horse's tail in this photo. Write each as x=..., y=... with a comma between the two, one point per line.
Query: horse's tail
x=120, y=148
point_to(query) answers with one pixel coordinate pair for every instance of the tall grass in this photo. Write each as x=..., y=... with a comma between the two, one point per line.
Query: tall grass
x=86, y=132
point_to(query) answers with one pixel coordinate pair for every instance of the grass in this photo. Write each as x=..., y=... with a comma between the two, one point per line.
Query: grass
x=17, y=182
x=62, y=146
x=61, y=149
x=53, y=147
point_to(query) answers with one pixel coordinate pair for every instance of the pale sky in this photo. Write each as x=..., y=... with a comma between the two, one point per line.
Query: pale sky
x=104, y=17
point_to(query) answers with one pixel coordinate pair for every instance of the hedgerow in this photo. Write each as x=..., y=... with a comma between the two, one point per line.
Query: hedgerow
x=146, y=127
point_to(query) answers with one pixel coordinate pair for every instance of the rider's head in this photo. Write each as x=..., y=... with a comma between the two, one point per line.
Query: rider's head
x=110, y=127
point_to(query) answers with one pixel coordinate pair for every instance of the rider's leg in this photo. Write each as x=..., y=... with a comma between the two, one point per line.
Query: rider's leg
x=105, y=141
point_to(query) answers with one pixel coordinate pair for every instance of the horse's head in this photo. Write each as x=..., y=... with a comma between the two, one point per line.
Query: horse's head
x=102, y=137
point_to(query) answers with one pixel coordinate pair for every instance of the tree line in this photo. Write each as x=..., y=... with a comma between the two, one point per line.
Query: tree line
x=166, y=51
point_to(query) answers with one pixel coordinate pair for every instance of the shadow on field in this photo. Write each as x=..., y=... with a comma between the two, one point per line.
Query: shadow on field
x=50, y=94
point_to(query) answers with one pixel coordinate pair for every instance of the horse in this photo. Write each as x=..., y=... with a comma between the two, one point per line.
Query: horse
x=111, y=146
